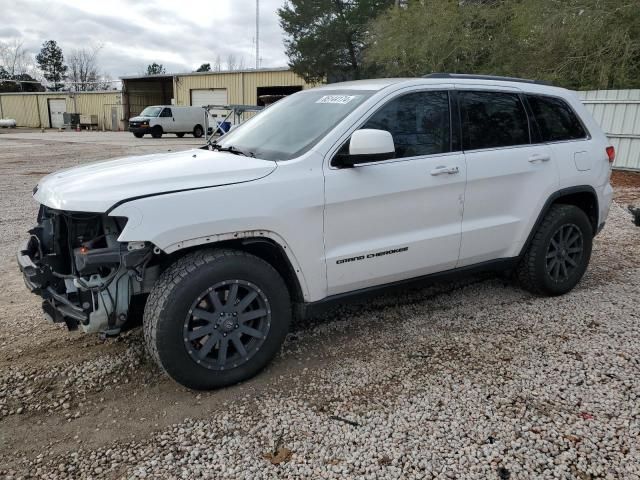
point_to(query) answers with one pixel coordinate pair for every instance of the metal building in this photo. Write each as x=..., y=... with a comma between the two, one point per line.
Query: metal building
x=47, y=109
x=242, y=87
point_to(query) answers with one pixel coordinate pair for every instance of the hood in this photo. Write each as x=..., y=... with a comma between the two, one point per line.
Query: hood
x=140, y=119
x=96, y=187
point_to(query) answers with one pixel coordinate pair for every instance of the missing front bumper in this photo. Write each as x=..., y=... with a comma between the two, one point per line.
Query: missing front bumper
x=55, y=306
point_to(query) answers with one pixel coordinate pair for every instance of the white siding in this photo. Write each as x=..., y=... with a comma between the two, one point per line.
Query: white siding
x=618, y=113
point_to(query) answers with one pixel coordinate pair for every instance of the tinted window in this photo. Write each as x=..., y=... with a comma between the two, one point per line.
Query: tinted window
x=492, y=119
x=166, y=113
x=419, y=123
x=555, y=119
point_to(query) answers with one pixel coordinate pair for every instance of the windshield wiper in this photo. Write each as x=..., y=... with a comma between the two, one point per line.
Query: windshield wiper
x=231, y=149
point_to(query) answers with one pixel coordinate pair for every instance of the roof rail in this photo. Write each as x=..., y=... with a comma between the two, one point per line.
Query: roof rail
x=484, y=77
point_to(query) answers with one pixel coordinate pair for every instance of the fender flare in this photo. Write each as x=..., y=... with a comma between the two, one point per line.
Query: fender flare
x=547, y=206
x=246, y=235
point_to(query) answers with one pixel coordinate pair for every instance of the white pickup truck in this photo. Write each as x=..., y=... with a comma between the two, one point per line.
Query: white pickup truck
x=330, y=192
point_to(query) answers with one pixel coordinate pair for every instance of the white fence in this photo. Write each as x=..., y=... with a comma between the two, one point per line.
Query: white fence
x=618, y=113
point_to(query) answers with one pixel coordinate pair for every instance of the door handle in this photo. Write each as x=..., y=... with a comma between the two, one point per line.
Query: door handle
x=539, y=157
x=442, y=169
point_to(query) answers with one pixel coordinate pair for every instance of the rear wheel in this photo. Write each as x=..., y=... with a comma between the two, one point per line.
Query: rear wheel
x=198, y=131
x=179, y=135
x=156, y=132
x=216, y=317
x=559, y=253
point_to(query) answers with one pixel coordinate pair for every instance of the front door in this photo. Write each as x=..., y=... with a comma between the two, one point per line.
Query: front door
x=166, y=120
x=396, y=219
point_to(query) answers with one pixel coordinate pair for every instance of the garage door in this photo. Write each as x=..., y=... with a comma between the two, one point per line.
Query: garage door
x=208, y=96
x=57, y=108
x=211, y=96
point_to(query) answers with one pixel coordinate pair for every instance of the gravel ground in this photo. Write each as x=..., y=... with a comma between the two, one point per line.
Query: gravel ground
x=473, y=379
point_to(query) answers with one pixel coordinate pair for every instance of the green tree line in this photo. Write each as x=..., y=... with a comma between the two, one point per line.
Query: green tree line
x=578, y=44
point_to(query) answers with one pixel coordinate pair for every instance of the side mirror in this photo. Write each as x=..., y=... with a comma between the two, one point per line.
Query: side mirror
x=367, y=145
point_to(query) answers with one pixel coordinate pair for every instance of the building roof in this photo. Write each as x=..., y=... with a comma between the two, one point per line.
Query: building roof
x=183, y=74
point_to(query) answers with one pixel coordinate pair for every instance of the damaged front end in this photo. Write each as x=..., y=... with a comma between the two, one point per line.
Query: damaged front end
x=85, y=276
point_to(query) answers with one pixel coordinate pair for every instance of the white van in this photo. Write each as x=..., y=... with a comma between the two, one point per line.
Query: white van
x=160, y=119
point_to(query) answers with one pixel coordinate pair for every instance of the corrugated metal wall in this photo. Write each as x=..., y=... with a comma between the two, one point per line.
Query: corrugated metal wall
x=618, y=113
x=32, y=109
x=241, y=86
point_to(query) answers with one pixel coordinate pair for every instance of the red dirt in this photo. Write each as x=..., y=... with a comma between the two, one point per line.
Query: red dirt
x=626, y=187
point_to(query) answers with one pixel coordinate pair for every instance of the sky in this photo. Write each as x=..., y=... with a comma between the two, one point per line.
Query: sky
x=180, y=34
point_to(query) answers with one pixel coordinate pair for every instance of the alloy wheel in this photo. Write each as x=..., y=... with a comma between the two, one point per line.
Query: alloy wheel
x=227, y=324
x=564, y=252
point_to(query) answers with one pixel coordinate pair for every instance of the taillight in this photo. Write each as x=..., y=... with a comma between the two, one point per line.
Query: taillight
x=611, y=153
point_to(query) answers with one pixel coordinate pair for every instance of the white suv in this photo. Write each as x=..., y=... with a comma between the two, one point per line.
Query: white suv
x=330, y=192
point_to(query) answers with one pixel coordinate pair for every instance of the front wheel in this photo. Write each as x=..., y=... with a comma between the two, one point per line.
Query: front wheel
x=156, y=132
x=138, y=135
x=559, y=253
x=216, y=317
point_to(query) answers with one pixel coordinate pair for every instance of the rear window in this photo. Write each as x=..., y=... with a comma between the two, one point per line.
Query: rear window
x=492, y=120
x=556, y=120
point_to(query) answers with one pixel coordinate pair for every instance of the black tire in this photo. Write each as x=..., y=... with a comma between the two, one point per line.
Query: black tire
x=138, y=135
x=198, y=131
x=179, y=135
x=552, y=265
x=156, y=132
x=185, y=288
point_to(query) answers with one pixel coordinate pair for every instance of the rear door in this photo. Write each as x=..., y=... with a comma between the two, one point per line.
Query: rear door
x=396, y=219
x=509, y=175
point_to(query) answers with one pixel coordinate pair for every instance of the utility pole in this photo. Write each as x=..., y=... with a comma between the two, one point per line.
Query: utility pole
x=257, y=34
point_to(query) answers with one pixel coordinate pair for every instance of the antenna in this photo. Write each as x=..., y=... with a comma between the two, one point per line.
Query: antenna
x=257, y=34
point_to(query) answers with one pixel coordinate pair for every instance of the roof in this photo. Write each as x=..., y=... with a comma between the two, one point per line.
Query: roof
x=381, y=83
x=184, y=74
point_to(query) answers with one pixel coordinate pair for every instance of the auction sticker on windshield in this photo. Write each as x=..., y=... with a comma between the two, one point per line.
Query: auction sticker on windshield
x=341, y=99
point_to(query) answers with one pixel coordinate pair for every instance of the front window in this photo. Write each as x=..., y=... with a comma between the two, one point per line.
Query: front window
x=419, y=123
x=294, y=124
x=151, y=112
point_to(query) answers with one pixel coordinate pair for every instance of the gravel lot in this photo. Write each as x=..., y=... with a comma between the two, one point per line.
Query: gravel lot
x=474, y=379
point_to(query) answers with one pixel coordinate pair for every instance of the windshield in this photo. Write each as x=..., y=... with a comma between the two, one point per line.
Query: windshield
x=293, y=125
x=151, y=112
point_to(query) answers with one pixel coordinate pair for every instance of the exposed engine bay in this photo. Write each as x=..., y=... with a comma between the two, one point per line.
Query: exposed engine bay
x=84, y=275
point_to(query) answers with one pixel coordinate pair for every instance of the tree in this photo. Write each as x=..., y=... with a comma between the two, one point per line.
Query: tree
x=569, y=43
x=231, y=62
x=83, y=69
x=326, y=38
x=51, y=62
x=13, y=57
x=217, y=65
x=16, y=66
x=205, y=67
x=155, y=69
